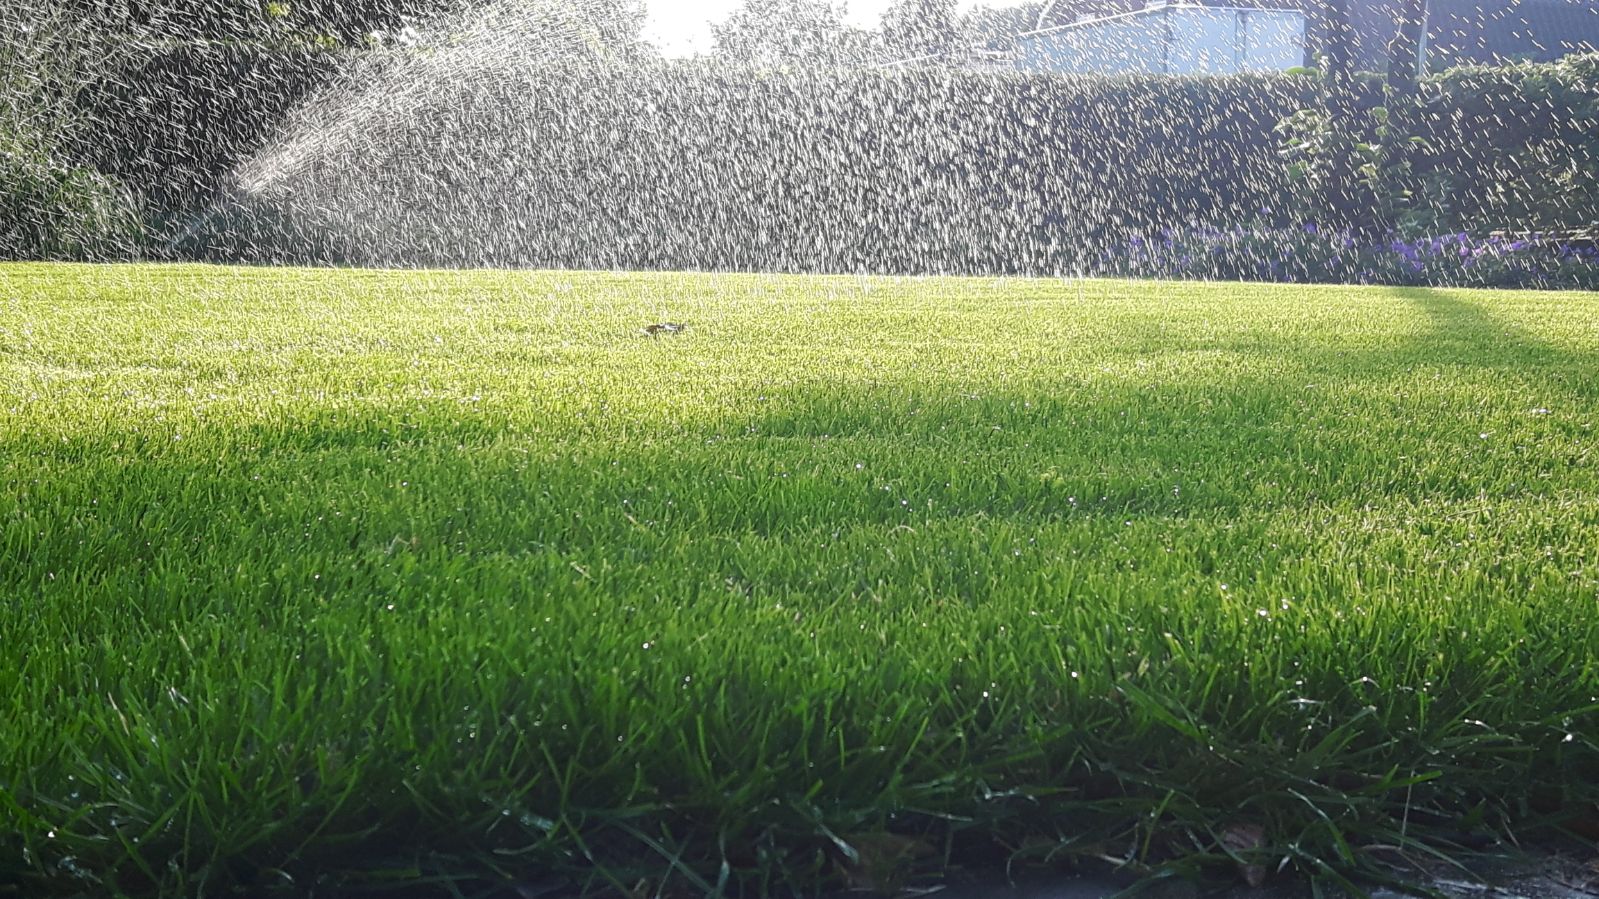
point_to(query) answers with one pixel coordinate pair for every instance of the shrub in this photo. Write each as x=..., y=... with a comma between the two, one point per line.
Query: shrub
x=1509, y=147
x=49, y=210
x=1336, y=151
x=1480, y=149
x=51, y=207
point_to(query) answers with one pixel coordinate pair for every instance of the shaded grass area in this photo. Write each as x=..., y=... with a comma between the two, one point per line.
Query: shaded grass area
x=338, y=582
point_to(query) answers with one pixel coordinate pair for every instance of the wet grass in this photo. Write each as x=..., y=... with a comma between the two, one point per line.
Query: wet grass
x=338, y=582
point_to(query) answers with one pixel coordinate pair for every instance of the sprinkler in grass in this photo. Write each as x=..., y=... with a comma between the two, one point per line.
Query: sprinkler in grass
x=660, y=328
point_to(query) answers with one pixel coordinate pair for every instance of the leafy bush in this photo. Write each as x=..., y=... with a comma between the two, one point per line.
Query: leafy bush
x=1481, y=149
x=1510, y=147
x=1336, y=152
x=49, y=210
x=51, y=207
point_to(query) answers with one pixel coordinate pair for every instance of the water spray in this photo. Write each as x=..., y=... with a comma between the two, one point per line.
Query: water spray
x=197, y=222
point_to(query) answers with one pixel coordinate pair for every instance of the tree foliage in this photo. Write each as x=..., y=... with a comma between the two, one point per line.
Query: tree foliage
x=49, y=206
x=263, y=21
x=773, y=32
x=987, y=25
x=918, y=28
x=278, y=23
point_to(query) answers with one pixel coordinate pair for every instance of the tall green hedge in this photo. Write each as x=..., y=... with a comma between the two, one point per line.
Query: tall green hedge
x=421, y=158
x=691, y=165
x=180, y=119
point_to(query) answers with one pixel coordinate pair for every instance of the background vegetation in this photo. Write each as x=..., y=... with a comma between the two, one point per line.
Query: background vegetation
x=52, y=205
x=697, y=167
x=1513, y=145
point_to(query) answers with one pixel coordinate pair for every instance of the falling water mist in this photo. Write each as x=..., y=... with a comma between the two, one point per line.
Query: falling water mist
x=522, y=135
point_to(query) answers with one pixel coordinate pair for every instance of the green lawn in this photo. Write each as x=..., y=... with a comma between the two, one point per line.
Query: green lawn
x=312, y=578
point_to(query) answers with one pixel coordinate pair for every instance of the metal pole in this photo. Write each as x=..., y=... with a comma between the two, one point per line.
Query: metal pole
x=1421, y=46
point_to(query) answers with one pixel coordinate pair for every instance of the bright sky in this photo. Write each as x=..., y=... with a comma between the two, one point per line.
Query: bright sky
x=683, y=27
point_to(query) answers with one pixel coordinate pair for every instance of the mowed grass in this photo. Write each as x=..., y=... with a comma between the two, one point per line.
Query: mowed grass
x=330, y=581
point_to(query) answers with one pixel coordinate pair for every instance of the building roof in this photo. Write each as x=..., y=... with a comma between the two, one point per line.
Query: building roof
x=1507, y=30
x=1459, y=31
x=1157, y=7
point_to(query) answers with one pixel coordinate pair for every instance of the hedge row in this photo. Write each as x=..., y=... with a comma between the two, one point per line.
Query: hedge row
x=177, y=123
x=698, y=166
x=468, y=158
x=1509, y=147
